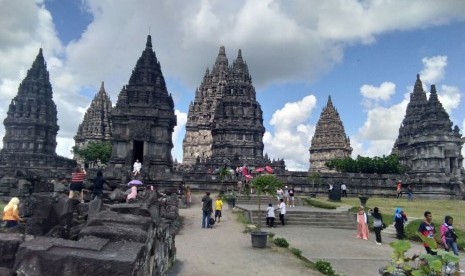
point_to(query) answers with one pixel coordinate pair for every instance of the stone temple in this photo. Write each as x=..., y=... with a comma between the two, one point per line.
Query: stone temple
x=329, y=141
x=427, y=143
x=143, y=121
x=225, y=121
x=96, y=125
x=31, y=125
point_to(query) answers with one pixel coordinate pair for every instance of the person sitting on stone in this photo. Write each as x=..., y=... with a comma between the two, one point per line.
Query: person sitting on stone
x=133, y=195
x=11, y=213
x=137, y=167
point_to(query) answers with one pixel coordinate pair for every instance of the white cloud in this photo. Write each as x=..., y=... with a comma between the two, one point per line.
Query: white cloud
x=178, y=134
x=434, y=69
x=291, y=137
x=383, y=92
x=282, y=42
x=450, y=97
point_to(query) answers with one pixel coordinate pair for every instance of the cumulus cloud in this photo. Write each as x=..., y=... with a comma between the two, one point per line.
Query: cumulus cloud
x=289, y=41
x=434, y=69
x=178, y=134
x=292, y=134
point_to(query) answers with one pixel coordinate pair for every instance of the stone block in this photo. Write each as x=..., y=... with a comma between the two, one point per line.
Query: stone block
x=9, y=244
x=88, y=256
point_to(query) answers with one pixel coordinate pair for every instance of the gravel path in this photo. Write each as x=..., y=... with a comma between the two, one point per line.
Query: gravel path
x=225, y=250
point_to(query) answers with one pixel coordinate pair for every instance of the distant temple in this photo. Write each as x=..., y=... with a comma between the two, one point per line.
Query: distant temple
x=143, y=120
x=427, y=143
x=96, y=125
x=225, y=121
x=31, y=125
x=329, y=141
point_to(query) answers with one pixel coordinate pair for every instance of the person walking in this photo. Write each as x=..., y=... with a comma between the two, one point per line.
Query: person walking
x=409, y=193
x=97, y=188
x=270, y=216
x=282, y=211
x=399, y=189
x=399, y=222
x=77, y=179
x=378, y=223
x=207, y=209
x=449, y=238
x=344, y=190
x=291, y=197
x=428, y=230
x=362, y=227
x=11, y=213
x=218, y=208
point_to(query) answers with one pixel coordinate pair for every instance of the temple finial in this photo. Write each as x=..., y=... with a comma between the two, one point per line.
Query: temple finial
x=149, y=42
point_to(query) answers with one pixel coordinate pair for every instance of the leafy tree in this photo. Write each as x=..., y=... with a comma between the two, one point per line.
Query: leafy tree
x=94, y=151
x=264, y=184
x=379, y=165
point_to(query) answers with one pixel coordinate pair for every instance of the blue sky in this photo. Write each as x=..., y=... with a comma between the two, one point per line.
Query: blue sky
x=365, y=54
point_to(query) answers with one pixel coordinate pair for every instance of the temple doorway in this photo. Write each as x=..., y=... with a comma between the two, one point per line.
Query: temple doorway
x=138, y=151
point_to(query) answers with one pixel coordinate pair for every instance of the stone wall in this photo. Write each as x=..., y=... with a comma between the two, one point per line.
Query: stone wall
x=424, y=185
x=119, y=239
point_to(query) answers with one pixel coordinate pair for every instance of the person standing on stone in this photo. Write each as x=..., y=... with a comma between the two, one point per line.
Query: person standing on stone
x=399, y=221
x=11, y=213
x=286, y=195
x=344, y=190
x=97, y=188
x=207, y=210
x=428, y=230
x=218, y=208
x=377, y=223
x=362, y=227
x=137, y=167
x=188, y=196
x=282, y=211
x=77, y=179
x=270, y=216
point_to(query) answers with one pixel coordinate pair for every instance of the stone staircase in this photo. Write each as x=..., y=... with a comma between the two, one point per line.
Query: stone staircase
x=338, y=220
x=265, y=200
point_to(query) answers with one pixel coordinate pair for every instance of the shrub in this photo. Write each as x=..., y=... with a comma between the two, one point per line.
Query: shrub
x=325, y=267
x=281, y=242
x=296, y=252
x=320, y=204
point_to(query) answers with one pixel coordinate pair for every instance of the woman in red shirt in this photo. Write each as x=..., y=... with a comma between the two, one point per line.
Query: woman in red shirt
x=77, y=178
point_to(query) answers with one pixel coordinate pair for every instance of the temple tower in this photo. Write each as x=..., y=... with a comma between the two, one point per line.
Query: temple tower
x=225, y=121
x=329, y=141
x=31, y=124
x=429, y=146
x=143, y=120
x=96, y=125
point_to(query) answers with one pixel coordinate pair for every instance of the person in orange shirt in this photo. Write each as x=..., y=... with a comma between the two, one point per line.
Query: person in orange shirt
x=11, y=213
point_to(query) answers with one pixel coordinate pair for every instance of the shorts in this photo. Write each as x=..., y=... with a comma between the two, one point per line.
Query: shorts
x=218, y=213
x=76, y=186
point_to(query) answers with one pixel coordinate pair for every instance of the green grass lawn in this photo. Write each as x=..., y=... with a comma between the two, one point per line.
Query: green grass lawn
x=414, y=209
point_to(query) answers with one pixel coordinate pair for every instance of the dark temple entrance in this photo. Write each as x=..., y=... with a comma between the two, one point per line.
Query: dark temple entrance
x=138, y=151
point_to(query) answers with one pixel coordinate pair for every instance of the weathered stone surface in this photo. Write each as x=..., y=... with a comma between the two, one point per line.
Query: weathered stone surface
x=130, y=208
x=329, y=141
x=88, y=256
x=9, y=244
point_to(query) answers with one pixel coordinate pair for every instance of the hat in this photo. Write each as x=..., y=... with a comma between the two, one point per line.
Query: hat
x=285, y=187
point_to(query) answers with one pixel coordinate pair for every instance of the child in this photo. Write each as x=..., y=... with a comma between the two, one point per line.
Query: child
x=218, y=208
x=270, y=215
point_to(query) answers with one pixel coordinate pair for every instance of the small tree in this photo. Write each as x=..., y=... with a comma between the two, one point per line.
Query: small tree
x=94, y=151
x=315, y=178
x=223, y=174
x=264, y=184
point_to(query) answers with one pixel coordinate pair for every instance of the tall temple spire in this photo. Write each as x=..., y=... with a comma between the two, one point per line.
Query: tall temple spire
x=329, y=141
x=31, y=124
x=149, y=42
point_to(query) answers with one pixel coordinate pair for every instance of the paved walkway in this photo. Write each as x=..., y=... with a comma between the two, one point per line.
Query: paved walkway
x=225, y=250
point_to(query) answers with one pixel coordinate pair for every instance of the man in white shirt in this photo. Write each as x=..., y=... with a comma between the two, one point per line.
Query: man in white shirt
x=344, y=190
x=282, y=210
